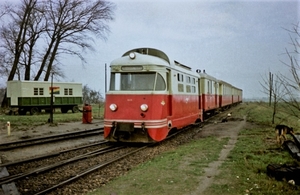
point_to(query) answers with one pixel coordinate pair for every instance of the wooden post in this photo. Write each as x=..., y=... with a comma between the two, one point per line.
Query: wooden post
x=271, y=87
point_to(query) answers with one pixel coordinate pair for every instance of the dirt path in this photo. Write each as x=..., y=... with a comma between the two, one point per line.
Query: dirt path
x=232, y=130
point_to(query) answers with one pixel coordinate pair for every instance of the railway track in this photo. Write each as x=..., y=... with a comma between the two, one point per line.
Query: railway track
x=53, y=154
x=24, y=178
x=84, y=163
x=39, y=170
x=90, y=170
x=52, y=138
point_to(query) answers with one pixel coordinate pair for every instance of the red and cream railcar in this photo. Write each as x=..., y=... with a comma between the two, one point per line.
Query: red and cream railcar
x=237, y=95
x=225, y=94
x=228, y=95
x=209, y=93
x=149, y=95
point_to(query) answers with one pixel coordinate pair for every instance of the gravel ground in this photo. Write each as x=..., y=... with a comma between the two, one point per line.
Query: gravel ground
x=44, y=130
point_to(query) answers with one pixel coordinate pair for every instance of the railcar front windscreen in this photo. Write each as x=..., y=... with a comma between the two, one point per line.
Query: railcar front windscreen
x=150, y=81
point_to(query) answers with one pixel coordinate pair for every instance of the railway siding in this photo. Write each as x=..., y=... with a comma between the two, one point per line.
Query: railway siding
x=8, y=188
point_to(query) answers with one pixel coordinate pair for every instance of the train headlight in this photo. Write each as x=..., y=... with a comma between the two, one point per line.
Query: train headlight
x=113, y=107
x=132, y=55
x=144, y=107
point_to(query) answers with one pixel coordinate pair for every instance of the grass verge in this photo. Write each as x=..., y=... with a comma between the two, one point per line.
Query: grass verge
x=175, y=171
x=244, y=171
x=21, y=121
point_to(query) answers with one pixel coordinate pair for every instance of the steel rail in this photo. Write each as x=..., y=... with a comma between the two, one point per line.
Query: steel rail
x=47, y=139
x=90, y=170
x=52, y=154
x=13, y=178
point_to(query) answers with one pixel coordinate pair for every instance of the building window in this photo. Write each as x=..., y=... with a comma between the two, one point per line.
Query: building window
x=68, y=91
x=35, y=91
x=41, y=90
x=38, y=91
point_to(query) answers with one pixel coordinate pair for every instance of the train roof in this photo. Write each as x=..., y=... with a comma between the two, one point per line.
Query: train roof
x=226, y=83
x=150, y=56
x=207, y=76
x=134, y=58
x=149, y=51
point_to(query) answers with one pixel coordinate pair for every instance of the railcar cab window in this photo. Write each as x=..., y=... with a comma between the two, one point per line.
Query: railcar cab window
x=150, y=81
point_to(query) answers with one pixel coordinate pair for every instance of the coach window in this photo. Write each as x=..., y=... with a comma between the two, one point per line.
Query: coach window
x=188, y=79
x=188, y=88
x=180, y=77
x=208, y=87
x=160, y=83
x=180, y=87
x=193, y=89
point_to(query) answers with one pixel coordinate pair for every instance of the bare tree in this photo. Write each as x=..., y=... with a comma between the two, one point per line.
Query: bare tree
x=14, y=36
x=286, y=88
x=4, y=9
x=275, y=88
x=38, y=32
x=73, y=22
x=91, y=96
x=20, y=31
x=292, y=84
x=36, y=27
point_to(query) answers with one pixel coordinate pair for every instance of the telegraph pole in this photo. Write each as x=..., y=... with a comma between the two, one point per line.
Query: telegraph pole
x=271, y=87
x=51, y=101
x=105, y=79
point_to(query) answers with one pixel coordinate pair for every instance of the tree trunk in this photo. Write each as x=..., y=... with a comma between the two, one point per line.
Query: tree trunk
x=38, y=75
x=53, y=54
x=21, y=39
x=4, y=103
x=274, y=109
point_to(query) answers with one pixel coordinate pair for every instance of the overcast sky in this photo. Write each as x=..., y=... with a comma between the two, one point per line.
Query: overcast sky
x=235, y=41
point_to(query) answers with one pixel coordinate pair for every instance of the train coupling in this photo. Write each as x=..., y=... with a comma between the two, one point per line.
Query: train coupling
x=143, y=128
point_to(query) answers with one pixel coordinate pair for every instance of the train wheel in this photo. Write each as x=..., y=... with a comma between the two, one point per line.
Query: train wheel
x=22, y=111
x=64, y=110
x=34, y=110
x=75, y=109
